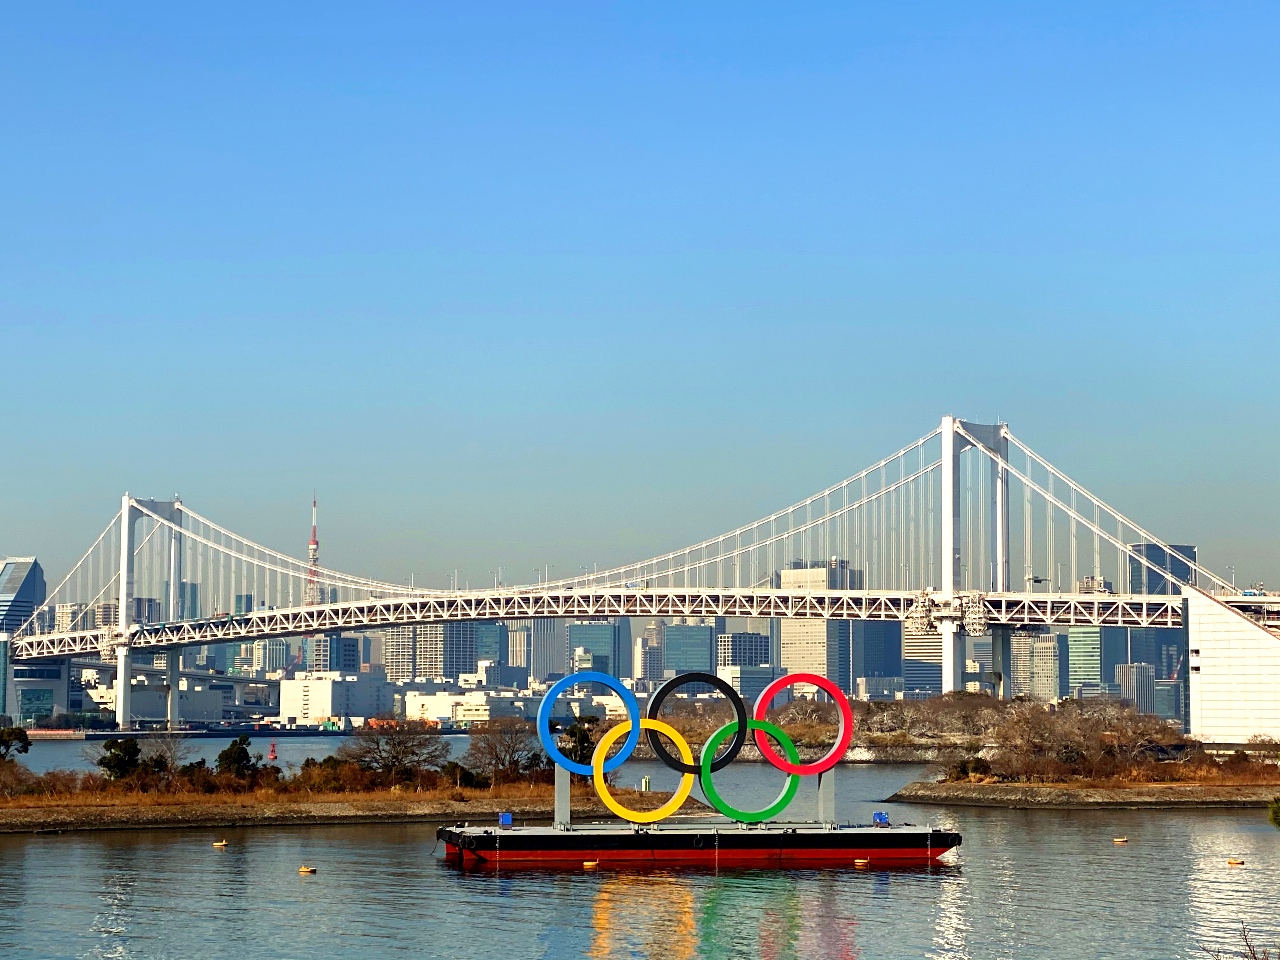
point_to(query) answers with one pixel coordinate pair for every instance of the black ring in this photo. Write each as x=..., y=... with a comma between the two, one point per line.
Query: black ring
x=724, y=687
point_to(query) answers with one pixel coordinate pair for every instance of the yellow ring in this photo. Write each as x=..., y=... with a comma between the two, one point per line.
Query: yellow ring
x=602, y=789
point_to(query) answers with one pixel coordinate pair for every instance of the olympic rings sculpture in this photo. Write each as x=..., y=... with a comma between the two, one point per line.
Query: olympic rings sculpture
x=713, y=758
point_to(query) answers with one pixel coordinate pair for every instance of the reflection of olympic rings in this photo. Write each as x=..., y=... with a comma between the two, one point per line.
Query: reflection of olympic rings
x=736, y=731
x=598, y=765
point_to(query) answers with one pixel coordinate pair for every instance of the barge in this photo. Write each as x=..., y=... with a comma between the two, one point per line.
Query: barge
x=719, y=844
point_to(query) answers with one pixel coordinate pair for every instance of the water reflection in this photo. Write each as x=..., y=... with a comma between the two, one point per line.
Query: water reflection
x=644, y=915
x=1029, y=885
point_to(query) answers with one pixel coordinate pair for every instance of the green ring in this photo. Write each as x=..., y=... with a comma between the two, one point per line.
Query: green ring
x=708, y=788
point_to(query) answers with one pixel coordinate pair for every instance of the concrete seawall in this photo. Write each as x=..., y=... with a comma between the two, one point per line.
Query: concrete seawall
x=1050, y=797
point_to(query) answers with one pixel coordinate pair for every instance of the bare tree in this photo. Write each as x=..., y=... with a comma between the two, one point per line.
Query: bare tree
x=400, y=750
x=503, y=750
x=1249, y=949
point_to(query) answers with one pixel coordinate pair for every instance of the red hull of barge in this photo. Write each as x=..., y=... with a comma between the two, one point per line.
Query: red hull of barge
x=777, y=847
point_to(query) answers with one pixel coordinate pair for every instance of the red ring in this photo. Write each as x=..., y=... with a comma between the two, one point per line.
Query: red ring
x=842, y=741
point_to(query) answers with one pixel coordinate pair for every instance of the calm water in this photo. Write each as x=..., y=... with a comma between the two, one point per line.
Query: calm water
x=1024, y=885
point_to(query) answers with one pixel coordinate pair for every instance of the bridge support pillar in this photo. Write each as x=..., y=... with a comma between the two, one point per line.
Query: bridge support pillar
x=953, y=649
x=172, y=660
x=124, y=687
x=1001, y=654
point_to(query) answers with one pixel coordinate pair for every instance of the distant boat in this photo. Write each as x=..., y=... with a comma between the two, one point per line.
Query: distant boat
x=219, y=844
x=1119, y=839
x=1235, y=862
x=305, y=869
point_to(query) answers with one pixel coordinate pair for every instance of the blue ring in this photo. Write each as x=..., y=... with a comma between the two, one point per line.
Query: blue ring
x=572, y=680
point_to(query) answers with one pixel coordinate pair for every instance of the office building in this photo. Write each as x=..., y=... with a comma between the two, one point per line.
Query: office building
x=22, y=591
x=597, y=638
x=742, y=649
x=1048, y=678
x=921, y=662
x=243, y=603
x=823, y=647
x=147, y=610
x=877, y=648
x=106, y=613
x=270, y=655
x=749, y=681
x=399, y=653
x=1143, y=579
x=313, y=697
x=332, y=652
x=519, y=644
x=548, y=645
x=68, y=617
x=687, y=646
x=446, y=649
x=1169, y=705
x=978, y=649
x=492, y=638
x=1021, y=644
x=1137, y=683
x=1093, y=652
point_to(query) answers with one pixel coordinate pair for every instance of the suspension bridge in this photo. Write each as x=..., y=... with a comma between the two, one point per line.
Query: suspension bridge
x=966, y=531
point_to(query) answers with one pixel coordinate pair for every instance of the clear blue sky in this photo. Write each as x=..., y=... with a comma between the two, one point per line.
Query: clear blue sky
x=583, y=283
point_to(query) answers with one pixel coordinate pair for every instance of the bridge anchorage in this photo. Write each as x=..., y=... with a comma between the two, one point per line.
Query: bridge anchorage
x=965, y=532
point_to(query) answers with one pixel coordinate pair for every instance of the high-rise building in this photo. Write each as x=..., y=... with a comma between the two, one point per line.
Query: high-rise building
x=1046, y=669
x=1168, y=694
x=608, y=640
x=106, y=613
x=823, y=647
x=335, y=651
x=244, y=603
x=72, y=616
x=269, y=655
x=749, y=681
x=399, y=653
x=742, y=649
x=921, y=661
x=22, y=591
x=1093, y=653
x=548, y=646
x=1137, y=683
x=688, y=646
x=446, y=649
x=1142, y=579
x=1021, y=646
x=147, y=610
x=877, y=648
x=519, y=644
x=652, y=666
x=492, y=638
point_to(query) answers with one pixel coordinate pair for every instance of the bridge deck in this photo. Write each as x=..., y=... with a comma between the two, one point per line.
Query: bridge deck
x=1012, y=610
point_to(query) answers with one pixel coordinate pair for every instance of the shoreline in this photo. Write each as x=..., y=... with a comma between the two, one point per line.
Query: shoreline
x=238, y=813
x=1033, y=796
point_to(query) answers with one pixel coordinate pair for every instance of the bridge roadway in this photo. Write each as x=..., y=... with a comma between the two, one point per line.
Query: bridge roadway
x=1012, y=609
